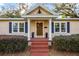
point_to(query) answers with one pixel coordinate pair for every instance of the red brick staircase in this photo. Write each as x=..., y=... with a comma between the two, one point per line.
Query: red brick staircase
x=39, y=47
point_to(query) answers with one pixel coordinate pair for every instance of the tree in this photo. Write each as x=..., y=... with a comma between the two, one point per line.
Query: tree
x=23, y=7
x=67, y=9
x=12, y=12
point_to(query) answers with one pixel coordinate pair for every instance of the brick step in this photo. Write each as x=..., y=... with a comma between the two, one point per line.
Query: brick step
x=39, y=54
x=39, y=46
x=39, y=40
x=39, y=43
x=39, y=50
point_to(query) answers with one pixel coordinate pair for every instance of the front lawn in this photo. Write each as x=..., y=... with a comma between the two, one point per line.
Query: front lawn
x=54, y=52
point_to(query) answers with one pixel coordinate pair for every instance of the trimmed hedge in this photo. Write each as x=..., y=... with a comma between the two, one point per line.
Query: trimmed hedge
x=66, y=43
x=13, y=43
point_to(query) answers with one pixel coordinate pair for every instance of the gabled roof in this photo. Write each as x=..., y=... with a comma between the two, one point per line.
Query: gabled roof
x=51, y=16
x=67, y=19
x=16, y=19
x=39, y=5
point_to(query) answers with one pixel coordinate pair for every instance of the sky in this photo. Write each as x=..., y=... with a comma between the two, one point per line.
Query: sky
x=14, y=5
x=7, y=5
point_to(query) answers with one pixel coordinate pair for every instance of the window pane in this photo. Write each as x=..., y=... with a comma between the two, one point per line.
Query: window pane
x=21, y=27
x=57, y=27
x=15, y=30
x=15, y=27
x=62, y=27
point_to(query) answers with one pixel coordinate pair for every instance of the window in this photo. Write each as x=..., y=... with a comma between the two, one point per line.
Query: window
x=57, y=29
x=21, y=27
x=62, y=27
x=18, y=27
x=15, y=27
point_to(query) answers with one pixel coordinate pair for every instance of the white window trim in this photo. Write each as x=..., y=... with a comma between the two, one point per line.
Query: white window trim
x=18, y=27
x=12, y=27
x=60, y=27
x=55, y=27
x=65, y=27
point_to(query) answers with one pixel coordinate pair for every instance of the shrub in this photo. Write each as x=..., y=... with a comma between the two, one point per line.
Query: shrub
x=66, y=43
x=13, y=43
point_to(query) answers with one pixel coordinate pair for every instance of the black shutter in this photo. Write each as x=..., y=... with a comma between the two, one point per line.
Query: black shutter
x=10, y=27
x=68, y=27
x=52, y=27
x=26, y=27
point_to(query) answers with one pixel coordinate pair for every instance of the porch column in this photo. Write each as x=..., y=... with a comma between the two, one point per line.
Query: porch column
x=28, y=29
x=50, y=33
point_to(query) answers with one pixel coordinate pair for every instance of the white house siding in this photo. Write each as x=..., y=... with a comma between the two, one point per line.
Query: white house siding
x=74, y=28
x=4, y=28
x=35, y=12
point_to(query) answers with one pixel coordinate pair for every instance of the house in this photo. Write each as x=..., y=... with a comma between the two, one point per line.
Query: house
x=39, y=22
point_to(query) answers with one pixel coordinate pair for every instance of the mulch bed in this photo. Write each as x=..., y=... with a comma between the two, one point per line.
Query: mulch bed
x=12, y=36
x=24, y=53
x=53, y=52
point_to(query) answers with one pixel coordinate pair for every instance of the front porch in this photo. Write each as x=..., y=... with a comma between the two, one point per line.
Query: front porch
x=39, y=28
x=39, y=21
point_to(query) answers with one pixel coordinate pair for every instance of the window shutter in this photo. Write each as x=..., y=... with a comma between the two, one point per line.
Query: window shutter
x=10, y=27
x=68, y=27
x=26, y=27
x=52, y=27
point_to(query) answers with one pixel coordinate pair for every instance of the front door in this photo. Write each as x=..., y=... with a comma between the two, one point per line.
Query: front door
x=39, y=29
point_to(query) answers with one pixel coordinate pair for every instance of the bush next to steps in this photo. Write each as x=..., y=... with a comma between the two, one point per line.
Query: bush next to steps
x=12, y=43
x=66, y=43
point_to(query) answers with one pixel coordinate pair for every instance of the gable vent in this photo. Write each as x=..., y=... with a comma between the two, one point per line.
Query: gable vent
x=39, y=11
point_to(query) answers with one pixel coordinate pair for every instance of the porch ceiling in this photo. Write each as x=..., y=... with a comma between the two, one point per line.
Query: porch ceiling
x=38, y=18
